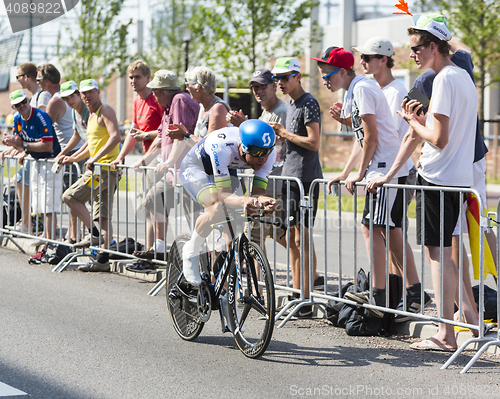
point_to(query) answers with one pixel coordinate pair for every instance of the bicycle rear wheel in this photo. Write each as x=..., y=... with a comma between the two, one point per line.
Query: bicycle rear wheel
x=251, y=313
x=181, y=297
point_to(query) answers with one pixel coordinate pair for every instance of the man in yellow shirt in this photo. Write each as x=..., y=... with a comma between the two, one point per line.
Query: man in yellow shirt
x=103, y=147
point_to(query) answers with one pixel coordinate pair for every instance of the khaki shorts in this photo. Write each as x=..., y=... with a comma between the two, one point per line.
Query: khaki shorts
x=265, y=230
x=80, y=191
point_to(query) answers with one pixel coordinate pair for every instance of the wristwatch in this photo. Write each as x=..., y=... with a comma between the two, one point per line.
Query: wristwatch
x=187, y=136
x=146, y=137
x=25, y=145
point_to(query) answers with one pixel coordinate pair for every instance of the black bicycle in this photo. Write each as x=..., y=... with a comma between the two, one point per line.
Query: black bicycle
x=243, y=287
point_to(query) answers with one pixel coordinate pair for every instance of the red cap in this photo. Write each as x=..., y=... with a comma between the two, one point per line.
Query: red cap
x=337, y=57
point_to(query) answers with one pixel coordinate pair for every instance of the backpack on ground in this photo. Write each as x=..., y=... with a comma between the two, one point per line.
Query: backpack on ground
x=126, y=246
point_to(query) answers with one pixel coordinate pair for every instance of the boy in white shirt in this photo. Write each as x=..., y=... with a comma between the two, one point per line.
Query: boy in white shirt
x=375, y=150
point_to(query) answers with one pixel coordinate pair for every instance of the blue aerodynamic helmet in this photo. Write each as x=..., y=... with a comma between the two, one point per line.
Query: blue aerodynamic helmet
x=257, y=138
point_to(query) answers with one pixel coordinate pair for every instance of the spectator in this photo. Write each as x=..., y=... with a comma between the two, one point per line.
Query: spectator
x=103, y=147
x=62, y=118
x=201, y=85
x=147, y=116
x=375, y=150
x=461, y=57
x=376, y=59
x=273, y=110
x=446, y=159
x=180, y=114
x=33, y=135
x=26, y=76
x=302, y=136
x=80, y=115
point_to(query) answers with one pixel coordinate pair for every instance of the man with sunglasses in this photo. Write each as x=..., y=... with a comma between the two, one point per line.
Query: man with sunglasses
x=376, y=146
x=209, y=174
x=446, y=159
x=33, y=135
x=376, y=59
x=302, y=136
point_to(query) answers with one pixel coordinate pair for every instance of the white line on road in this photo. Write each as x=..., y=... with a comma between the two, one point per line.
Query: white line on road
x=6, y=390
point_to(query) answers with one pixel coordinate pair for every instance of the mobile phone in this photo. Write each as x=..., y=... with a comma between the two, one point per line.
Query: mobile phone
x=416, y=94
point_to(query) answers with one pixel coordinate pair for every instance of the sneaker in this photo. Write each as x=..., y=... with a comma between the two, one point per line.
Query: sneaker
x=85, y=242
x=150, y=254
x=21, y=228
x=37, y=258
x=142, y=266
x=413, y=306
x=305, y=312
x=319, y=283
x=95, y=266
x=190, y=265
x=364, y=298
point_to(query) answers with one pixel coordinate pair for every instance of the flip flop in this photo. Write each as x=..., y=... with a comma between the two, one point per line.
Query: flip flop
x=430, y=346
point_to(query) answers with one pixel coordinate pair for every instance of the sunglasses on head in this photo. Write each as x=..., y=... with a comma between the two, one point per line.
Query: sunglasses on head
x=327, y=77
x=283, y=78
x=368, y=58
x=257, y=152
x=415, y=48
x=21, y=103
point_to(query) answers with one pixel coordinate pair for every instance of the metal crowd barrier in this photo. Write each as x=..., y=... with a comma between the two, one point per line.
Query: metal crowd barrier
x=8, y=184
x=340, y=271
x=127, y=222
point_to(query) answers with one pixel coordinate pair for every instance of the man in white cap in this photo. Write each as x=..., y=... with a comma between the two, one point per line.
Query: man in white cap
x=103, y=147
x=302, y=136
x=180, y=110
x=446, y=159
x=376, y=59
x=33, y=135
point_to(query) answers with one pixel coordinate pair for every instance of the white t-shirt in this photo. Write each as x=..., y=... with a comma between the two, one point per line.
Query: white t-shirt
x=40, y=99
x=394, y=93
x=455, y=96
x=368, y=98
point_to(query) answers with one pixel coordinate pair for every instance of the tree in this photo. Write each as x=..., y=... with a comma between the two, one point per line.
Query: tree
x=237, y=34
x=98, y=46
x=167, y=31
x=477, y=24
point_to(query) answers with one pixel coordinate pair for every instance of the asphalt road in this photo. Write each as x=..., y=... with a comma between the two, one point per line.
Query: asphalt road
x=76, y=335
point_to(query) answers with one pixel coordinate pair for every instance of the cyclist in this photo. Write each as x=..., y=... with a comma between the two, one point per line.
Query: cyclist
x=208, y=174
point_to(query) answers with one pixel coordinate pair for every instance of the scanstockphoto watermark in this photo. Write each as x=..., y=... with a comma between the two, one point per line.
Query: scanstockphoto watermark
x=26, y=14
x=361, y=390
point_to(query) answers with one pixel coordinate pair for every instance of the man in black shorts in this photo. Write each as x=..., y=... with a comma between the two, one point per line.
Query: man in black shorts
x=302, y=136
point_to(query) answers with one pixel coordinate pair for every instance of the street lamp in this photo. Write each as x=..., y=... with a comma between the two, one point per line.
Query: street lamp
x=186, y=37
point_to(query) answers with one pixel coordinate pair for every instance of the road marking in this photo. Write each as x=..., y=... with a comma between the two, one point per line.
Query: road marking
x=6, y=390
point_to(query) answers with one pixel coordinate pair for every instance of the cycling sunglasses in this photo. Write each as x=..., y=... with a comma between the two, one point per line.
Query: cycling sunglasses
x=283, y=78
x=258, y=152
x=18, y=105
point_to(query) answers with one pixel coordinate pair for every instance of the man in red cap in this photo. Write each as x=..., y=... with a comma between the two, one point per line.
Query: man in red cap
x=366, y=109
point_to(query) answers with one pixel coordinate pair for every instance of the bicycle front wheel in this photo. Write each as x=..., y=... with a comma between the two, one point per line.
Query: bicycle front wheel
x=181, y=298
x=251, y=310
